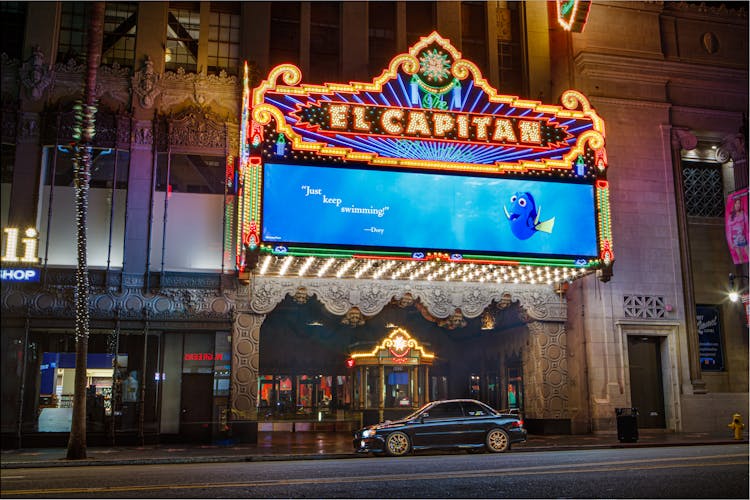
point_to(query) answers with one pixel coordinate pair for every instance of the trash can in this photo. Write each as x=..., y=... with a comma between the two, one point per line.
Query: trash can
x=627, y=424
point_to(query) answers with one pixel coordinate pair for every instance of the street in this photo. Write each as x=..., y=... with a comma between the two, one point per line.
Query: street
x=658, y=472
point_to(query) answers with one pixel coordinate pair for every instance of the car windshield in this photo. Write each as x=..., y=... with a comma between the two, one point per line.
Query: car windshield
x=419, y=411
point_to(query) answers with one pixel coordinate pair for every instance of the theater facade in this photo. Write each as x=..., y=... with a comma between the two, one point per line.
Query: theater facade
x=423, y=189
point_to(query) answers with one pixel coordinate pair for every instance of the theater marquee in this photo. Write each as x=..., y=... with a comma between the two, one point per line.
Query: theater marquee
x=424, y=166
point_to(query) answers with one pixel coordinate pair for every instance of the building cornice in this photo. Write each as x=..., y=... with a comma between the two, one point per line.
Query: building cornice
x=619, y=68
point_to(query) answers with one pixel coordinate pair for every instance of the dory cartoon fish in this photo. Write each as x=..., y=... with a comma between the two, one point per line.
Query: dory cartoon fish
x=524, y=216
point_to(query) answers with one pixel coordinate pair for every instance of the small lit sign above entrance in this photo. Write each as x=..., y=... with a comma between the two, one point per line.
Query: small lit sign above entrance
x=425, y=163
x=17, y=252
x=398, y=348
x=573, y=14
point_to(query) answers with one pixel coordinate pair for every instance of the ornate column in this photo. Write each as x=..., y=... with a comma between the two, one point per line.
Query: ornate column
x=245, y=363
x=683, y=139
x=545, y=362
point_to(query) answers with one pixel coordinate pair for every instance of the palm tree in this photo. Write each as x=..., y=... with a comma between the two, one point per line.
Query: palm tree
x=82, y=164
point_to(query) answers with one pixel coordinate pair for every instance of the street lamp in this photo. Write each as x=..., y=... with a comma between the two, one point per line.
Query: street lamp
x=734, y=293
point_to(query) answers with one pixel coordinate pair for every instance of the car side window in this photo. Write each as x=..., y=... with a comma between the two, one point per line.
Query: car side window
x=446, y=410
x=474, y=410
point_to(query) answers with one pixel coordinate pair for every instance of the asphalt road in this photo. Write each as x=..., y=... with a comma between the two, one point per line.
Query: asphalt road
x=661, y=472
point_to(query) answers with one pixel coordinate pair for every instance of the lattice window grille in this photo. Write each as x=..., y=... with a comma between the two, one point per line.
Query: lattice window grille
x=704, y=193
x=644, y=306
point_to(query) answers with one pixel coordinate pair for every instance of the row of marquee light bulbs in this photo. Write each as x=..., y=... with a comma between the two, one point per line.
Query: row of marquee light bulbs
x=416, y=270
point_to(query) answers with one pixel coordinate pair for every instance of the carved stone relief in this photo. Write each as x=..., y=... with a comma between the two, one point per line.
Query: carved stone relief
x=732, y=148
x=170, y=304
x=545, y=363
x=145, y=84
x=338, y=296
x=142, y=134
x=684, y=139
x=197, y=129
x=245, y=364
x=36, y=76
x=216, y=91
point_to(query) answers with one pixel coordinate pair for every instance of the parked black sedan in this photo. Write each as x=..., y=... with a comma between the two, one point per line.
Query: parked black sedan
x=453, y=423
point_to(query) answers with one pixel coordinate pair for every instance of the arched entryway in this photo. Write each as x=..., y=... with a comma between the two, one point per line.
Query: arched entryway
x=537, y=344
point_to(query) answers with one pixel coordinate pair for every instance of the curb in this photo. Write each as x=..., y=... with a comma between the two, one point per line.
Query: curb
x=328, y=456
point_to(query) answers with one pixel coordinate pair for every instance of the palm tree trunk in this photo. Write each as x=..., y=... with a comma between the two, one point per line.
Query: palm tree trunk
x=82, y=164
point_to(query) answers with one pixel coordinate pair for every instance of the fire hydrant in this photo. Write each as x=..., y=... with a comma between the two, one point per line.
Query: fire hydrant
x=737, y=425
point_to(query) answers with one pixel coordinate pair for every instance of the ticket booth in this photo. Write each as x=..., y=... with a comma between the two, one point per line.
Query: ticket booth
x=391, y=379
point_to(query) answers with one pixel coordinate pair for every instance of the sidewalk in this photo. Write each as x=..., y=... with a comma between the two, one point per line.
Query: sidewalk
x=321, y=445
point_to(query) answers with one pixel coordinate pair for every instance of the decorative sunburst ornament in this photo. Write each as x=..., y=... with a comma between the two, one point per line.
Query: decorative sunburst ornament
x=399, y=343
x=434, y=65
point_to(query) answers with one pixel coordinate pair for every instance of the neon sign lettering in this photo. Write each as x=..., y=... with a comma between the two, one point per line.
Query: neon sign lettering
x=420, y=124
x=10, y=253
x=203, y=356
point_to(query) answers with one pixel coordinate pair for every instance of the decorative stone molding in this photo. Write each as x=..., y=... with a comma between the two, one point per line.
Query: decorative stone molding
x=732, y=148
x=709, y=8
x=197, y=129
x=112, y=82
x=441, y=300
x=545, y=362
x=683, y=139
x=35, y=76
x=710, y=42
x=143, y=137
x=169, y=304
x=145, y=84
x=217, y=91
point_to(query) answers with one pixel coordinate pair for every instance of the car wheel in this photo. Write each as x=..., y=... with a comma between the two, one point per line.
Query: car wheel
x=497, y=441
x=397, y=444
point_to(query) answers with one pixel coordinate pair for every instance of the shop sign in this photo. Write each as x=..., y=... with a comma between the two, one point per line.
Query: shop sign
x=25, y=275
x=709, y=338
x=28, y=242
x=203, y=356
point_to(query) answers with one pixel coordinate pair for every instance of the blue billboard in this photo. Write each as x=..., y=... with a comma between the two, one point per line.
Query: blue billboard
x=360, y=207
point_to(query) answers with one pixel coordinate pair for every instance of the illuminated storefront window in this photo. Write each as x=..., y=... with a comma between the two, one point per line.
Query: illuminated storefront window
x=106, y=201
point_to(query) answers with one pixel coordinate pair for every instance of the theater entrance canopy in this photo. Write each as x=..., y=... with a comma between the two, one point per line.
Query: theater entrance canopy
x=425, y=173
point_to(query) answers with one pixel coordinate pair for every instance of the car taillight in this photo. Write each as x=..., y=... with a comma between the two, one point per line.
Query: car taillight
x=517, y=423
